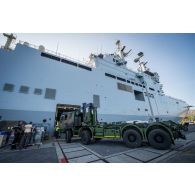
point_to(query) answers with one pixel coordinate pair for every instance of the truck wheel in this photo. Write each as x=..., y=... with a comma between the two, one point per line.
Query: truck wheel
x=159, y=139
x=132, y=138
x=185, y=127
x=85, y=137
x=98, y=139
x=68, y=136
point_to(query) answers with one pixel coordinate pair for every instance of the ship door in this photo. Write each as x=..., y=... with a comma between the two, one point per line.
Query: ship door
x=62, y=108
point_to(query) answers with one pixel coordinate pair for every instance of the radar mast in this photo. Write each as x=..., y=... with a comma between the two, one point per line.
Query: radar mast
x=120, y=50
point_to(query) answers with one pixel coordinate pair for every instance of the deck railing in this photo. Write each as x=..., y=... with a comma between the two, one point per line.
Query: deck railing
x=55, y=53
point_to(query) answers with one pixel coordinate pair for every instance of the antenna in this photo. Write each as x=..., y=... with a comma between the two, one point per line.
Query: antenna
x=118, y=42
x=127, y=53
x=101, y=49
x=57, y=48
x=188, y=106
x=142, y=65
x=140, y=55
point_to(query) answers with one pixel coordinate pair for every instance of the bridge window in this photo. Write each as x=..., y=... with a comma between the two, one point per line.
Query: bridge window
x=151, y=89
x=110, y=75
x=69, y=62
x=50, y=56
x=121, y=79
x=84, y=67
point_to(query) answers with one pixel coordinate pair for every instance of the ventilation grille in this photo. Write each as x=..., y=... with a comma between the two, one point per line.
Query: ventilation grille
x=50, y=93
x=37, y=91
x=24, y=89
x=125, y=87
x=8, y=87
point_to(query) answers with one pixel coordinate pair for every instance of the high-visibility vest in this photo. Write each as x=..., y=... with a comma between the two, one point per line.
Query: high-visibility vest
x=57, y=128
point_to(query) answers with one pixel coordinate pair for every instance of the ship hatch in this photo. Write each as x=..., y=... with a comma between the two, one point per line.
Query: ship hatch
x=60, y=108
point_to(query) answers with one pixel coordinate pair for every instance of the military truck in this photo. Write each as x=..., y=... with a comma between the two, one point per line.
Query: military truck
x=83, y=123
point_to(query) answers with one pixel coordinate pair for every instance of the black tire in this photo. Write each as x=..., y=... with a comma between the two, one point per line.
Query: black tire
x=159, y=139
x=98, y=139
x=68, y=136
x=185, y=127
x=85, y=137
x=132, y=138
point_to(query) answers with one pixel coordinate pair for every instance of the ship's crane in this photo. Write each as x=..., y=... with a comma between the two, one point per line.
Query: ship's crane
x=10, y=38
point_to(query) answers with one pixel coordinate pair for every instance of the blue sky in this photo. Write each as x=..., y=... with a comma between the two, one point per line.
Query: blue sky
x=171, y=55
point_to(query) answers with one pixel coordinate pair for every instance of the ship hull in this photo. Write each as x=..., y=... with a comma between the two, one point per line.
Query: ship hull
x=66, y=84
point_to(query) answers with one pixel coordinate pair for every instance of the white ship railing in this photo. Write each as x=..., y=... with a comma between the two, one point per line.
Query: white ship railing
x=55, y=53
x=176, y=99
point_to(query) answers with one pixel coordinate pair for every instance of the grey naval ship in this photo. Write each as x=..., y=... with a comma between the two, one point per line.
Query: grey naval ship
x=37, y=85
